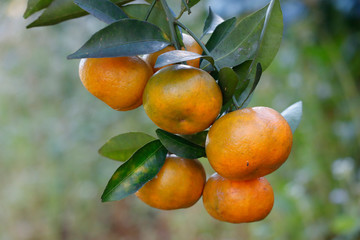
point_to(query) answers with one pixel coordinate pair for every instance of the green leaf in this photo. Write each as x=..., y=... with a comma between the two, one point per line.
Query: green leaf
x=126, y=37
x=225, y=109
x=177, y=56
x=251, y=38
x=245, y=100
x=220, y=32
x=211, y=22
x=190, y=3
x=157, y=16
x=134, y=173
x=238, y=92
x=62, y=10
x=104, y=10
x=197, y=138
x=180, y=146
x=271, y=35
x=241, y=43
x=228, y=80
x=243, y=88
x=293, y=115
x=34, y=6
x=242, y=70
x=122, y=146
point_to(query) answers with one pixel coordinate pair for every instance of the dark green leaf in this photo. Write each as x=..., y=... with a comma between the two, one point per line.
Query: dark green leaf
x=122, y=146
x=241, y=43
x=271, y=35
x=177, y=56
x=220, y=32
x=104, y=10
x=228, y=80
x=180, y=146
x=251, y=38
x=225, y=108
x=134, y=173
x=214, y=74
x=35, y=5
x=273, y=15
x=211, y=22
x=62, y=10
x=293, y=115
x=245, y=97
x=197, y=138
x=157, y=16
x=239, y=89
x=242, y=70
x=190, y=3
x=242, y=86
x=242, y=89
x=126, y=37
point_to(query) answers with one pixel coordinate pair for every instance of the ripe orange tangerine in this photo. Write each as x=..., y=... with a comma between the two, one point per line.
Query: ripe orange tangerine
x=182, y=99
x=248, y=143
x=237, y=201
x=179, y=184
x=119, y=81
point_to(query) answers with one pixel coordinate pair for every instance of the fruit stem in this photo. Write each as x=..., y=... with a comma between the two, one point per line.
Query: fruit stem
x=150, y=9
x=197, y=40
x=186, y=7
x=236, y=102
x=181, y=13
x=171, y=19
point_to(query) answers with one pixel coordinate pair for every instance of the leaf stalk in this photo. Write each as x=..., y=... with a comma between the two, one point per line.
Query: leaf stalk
x=150, y=10
x=170, y=17
x=197, y=40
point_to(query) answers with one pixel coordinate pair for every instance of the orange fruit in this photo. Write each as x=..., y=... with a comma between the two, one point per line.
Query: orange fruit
x=151, y=58
x=237, y=201
x=190, y=45
x=248, y=143
x=119, y=81
x=179, y=184
x=182, y=99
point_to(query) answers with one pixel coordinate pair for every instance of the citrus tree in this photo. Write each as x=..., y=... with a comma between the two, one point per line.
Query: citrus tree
x=196, y=91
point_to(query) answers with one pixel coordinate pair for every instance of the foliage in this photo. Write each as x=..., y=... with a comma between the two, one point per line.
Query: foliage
x=234, y=48
x=50, y=131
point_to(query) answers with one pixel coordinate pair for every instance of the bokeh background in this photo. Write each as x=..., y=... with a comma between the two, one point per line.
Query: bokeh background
x=51, y=127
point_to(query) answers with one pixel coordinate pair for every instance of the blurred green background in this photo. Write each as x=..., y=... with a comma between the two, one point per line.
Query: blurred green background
x=51, y=127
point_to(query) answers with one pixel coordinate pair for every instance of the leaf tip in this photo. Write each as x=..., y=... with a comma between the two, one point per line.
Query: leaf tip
x=26, y=15
x=100, y=151
x=31, y=25
x=74, y=55
x=293, y=115
x=105, y=196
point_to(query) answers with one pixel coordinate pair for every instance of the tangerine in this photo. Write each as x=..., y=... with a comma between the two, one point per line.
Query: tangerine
x=248, y=143
x=179, y=184
x=182, y=99
x=237, y=201
x=119, y=81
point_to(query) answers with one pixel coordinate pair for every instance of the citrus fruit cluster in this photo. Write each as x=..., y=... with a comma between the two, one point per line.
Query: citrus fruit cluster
x=242, y=146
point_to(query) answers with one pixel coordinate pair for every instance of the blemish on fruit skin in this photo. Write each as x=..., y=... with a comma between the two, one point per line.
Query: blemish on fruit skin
x=247, y=164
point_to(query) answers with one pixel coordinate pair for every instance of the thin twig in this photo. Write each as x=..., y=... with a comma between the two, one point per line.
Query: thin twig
x=150, y=10
x=171, y=19
x=186, y=2
x=197, y=40
x=181, y=13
